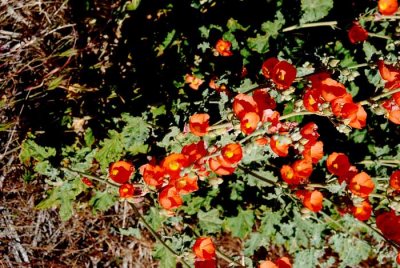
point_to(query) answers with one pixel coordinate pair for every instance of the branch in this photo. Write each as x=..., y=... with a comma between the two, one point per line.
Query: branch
x=374, y=99
x=310, y=25
x=158, y=237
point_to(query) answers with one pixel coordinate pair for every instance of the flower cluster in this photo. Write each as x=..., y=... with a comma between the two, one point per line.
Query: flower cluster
x=328, y=95
x=359, y=183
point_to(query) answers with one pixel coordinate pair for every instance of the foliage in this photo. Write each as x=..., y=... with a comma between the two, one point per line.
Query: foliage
x=136, y=99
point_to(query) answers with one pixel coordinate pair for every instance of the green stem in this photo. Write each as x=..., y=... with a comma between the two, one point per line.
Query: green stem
x=283, y=117
x=225, y=125
x=387, y=162
x=92, y=177
x=395, y=245
x=310, y=25
x=374, y=18
x=361, y=65
x=227, y=259
x=261, y=178
x=379, y=36
x=374, y=99
x=157, y=236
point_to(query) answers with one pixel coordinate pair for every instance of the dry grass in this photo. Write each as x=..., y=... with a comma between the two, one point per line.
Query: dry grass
x=33, y=35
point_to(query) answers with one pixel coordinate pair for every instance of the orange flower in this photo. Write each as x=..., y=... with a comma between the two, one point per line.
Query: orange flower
x=268, y=66
x=153, y=175
x=388, y=7
x=363, y=211
x=309, y=131
x=264, y=100
x=389, y=224
x=204, y=248
x=332, y=89
x=267, y=264
x=390, y=74
x=317, y=78
x=357, y=33
x=223, y=48
x=302, y=168
x=243, y=104
x=249, y=123
x=288, y=175
x=194, y=151
x=283, y=75
x=169, y=198
x=185, y=185
x=220, y=167
x=356, y=114
x=393, y=110
x=198, y=124
x=282, y=262
x=396, y=98
x=193, y=81
x=315, y=152
x=312, y=99
x=87, y=182
x=395, y=180
x=311, y=199
x=205, y=263
x=338, y=163
x=174, y=163
x=121, y=171
x=262, y=141
x=338, y=103
x=126, y=190
x=361, y=185
x=281, y=149
x=232, y=153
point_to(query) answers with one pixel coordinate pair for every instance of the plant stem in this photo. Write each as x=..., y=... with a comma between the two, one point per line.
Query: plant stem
x=261, y=178
x=216, y=126
x=358, y=66
x=379, y=36
x=283, y=117
x=310, y=25
x=100, y=179
x=92, y=177
x=389, y=162
x=395, y=245
x=227, y=259
x=157, y=236
x=369, y=102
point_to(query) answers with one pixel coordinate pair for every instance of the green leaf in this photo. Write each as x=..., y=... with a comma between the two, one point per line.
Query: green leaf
x=132, y=5
x=154, y=218
x=135, y=232
x=167, y=259
x=30, y=149
x=89, y=138
x=166, y=42
x=314, y=10
x=241, y=225
x=135, y=134
x=55, y=82
x=255, y=241
x=209, y=221
x=341, y=244
x=233, y=25
x=259, y=43
x=102, y=201
x=369, y=50
x=272, y=28
x=111, y=149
